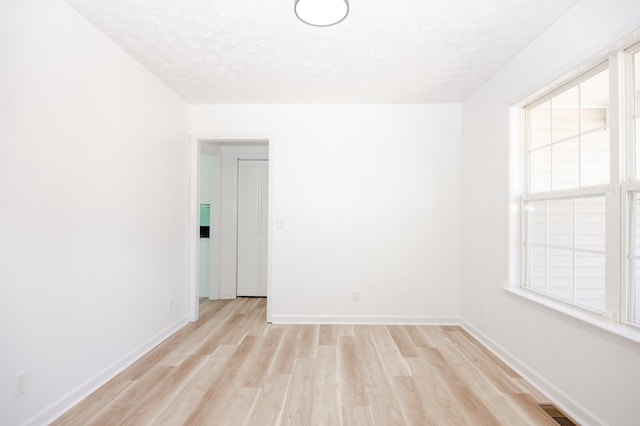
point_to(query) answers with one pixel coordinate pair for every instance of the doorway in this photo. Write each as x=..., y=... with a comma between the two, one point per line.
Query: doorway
x=235, y=261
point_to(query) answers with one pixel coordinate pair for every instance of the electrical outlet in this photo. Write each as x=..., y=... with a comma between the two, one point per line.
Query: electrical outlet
x=480, y=309
x=355, y=296
x=169, y=303
x=19, y=384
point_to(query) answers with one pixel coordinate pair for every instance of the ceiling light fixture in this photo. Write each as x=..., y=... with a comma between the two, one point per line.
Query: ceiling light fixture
x=321, y=13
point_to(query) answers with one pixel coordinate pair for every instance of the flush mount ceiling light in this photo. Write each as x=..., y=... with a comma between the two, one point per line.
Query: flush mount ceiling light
x=321, y=13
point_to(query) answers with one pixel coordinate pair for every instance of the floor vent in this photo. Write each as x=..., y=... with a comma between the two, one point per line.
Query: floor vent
x=557, y=415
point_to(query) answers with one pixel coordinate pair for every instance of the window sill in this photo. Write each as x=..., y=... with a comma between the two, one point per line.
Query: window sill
x=626, y=334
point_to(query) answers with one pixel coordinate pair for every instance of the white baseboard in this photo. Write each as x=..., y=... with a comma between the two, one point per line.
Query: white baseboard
x=364, y=319
x=226, y=296
x=567, y=404
x=66, y=402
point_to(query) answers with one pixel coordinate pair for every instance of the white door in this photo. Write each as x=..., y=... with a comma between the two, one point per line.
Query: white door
x=252, y=227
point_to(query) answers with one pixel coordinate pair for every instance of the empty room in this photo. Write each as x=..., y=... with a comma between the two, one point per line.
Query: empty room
x=322, y=212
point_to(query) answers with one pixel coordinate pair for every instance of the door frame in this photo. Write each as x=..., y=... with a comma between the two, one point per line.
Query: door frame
x=195, y=147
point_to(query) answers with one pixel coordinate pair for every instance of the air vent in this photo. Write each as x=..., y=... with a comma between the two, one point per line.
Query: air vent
x=557, y=415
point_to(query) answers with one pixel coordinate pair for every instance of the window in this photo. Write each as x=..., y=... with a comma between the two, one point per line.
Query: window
x=568, y=145
x=580, y=202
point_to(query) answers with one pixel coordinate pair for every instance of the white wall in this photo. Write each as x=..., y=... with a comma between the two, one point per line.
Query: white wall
x=206, y=193
x=93, y=216
x=210, y=188
x=369, y=196
x=595, y=375
x=215, y=231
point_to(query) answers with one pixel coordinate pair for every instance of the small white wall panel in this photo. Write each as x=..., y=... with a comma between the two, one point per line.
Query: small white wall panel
x=252, y=228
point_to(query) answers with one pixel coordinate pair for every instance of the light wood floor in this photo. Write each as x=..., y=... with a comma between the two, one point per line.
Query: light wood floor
x=233, y=368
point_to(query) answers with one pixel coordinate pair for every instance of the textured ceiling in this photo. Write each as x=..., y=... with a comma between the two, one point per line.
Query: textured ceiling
x=256, y=51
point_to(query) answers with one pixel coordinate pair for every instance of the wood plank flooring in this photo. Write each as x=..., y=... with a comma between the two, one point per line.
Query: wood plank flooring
x=232, y=368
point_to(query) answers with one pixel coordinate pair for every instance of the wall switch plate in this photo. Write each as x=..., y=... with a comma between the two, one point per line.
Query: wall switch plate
x=169, y=303
x=355, y=296
x=19, y=384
